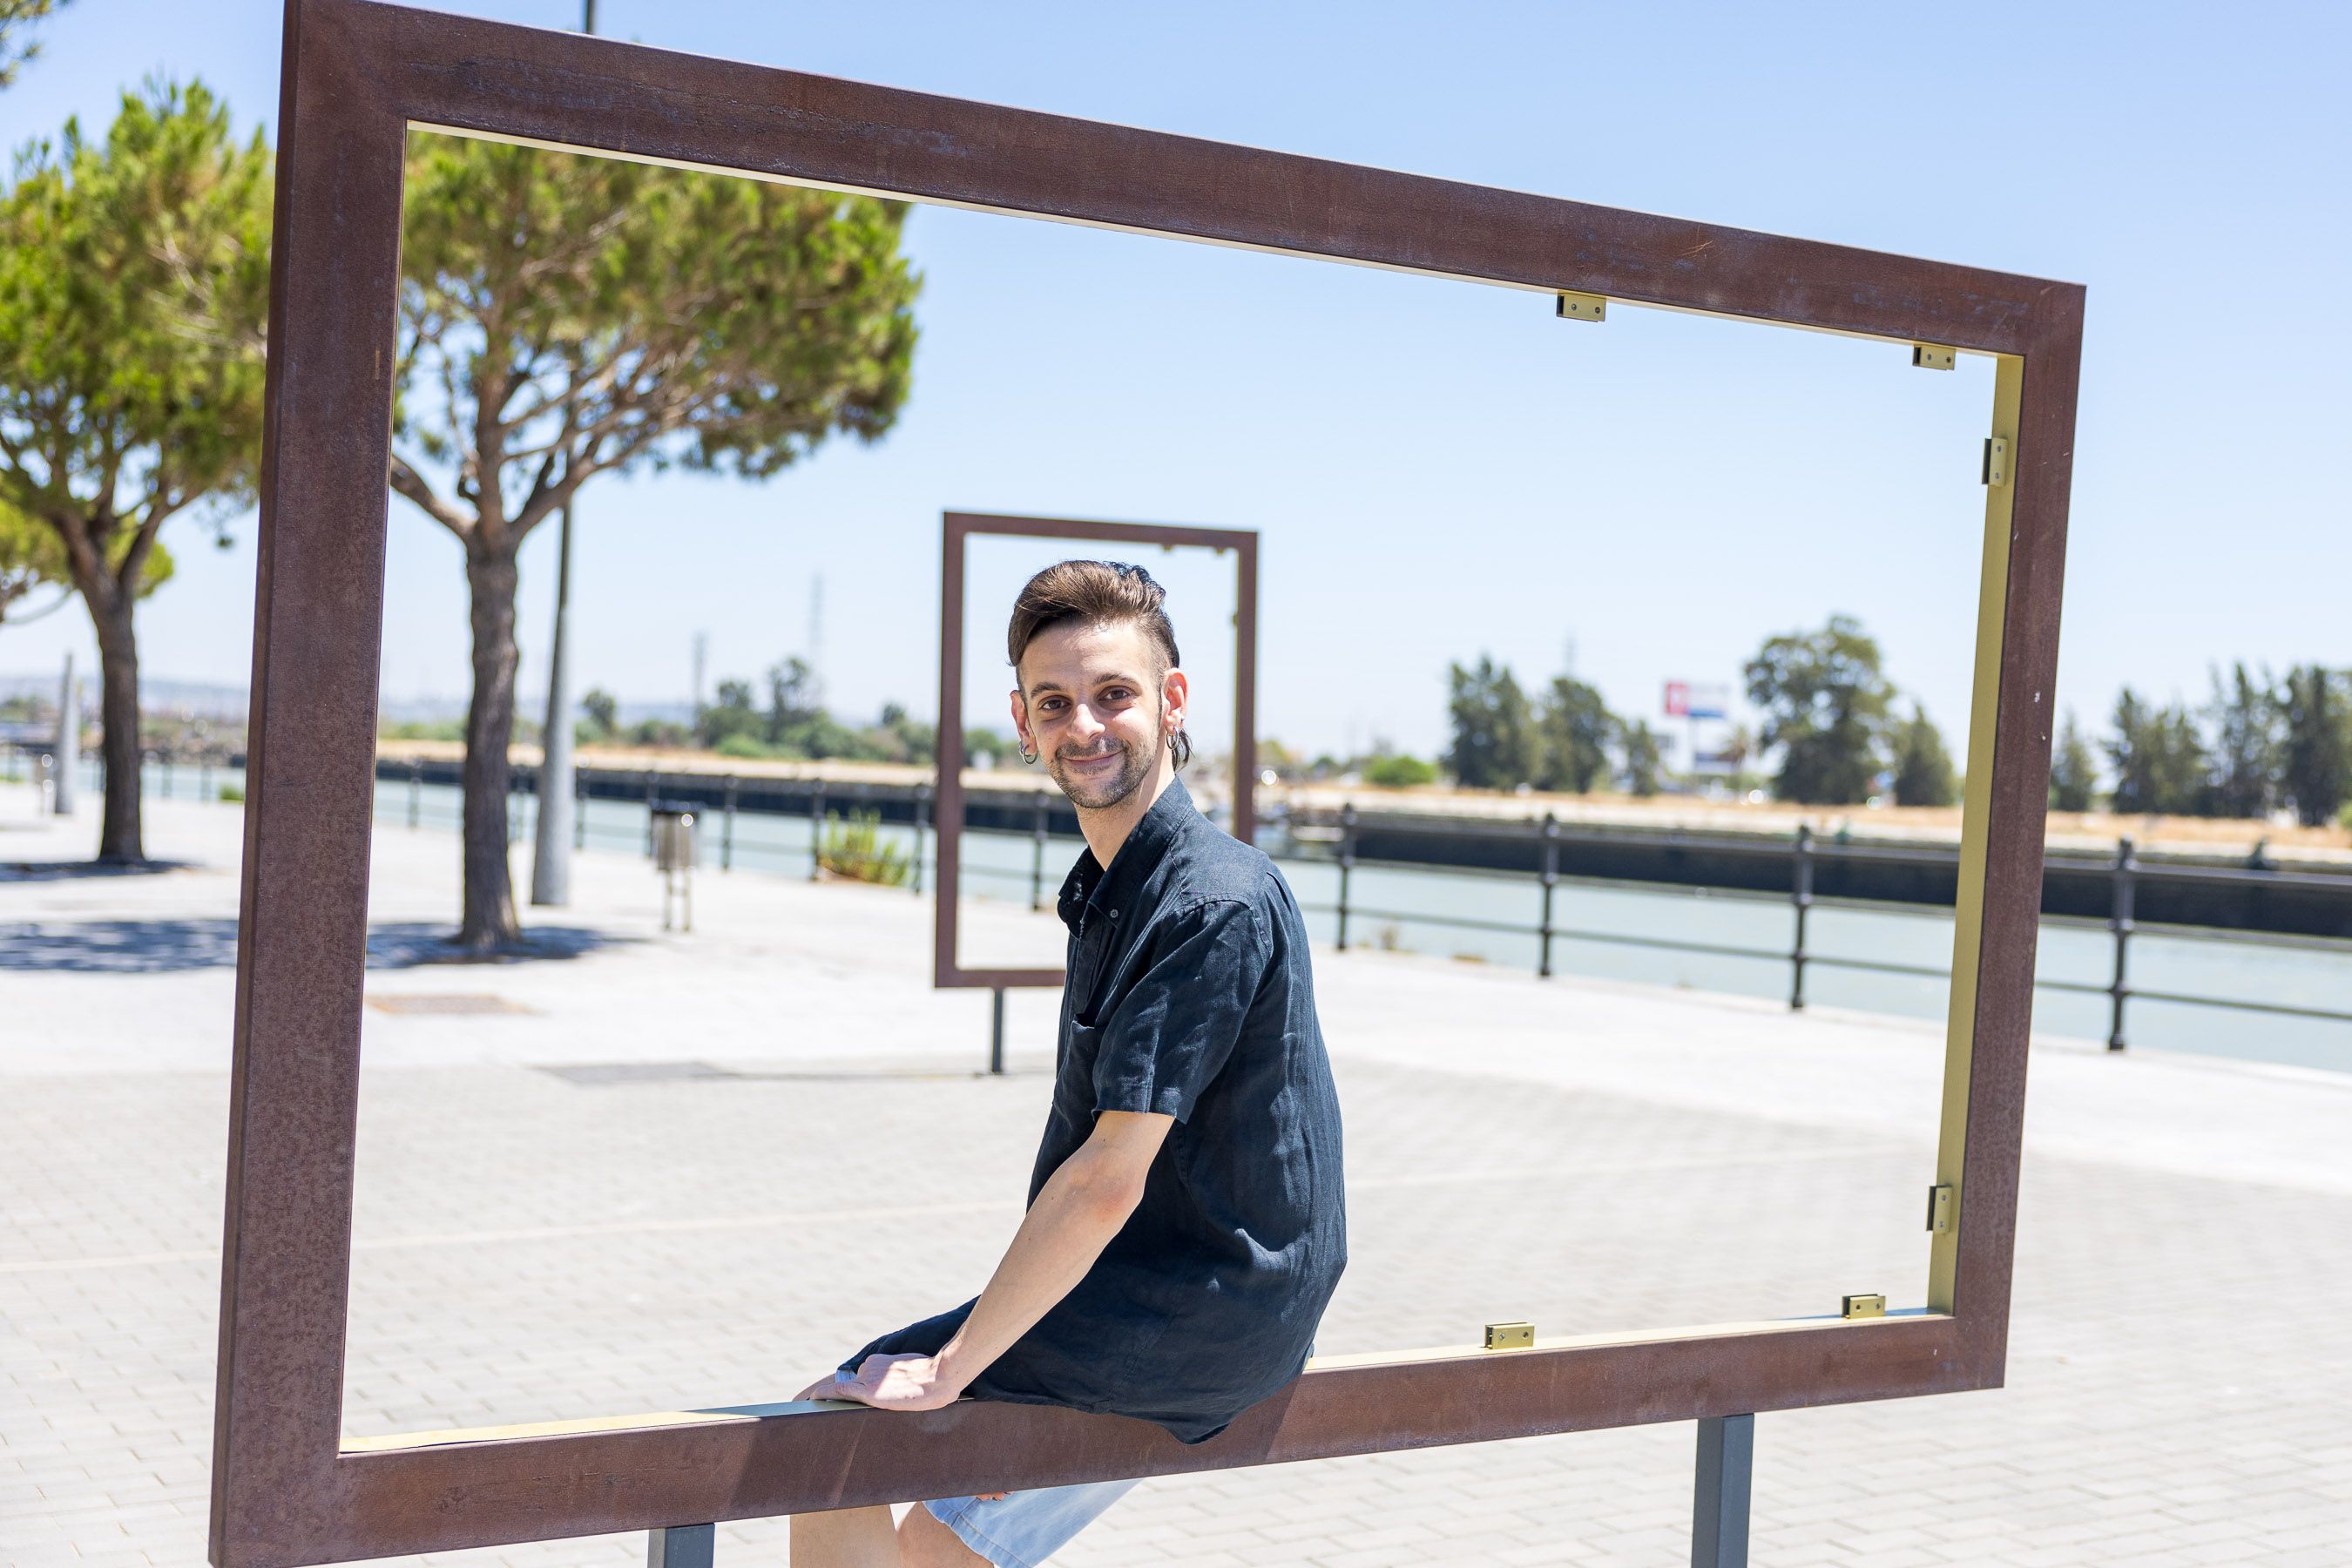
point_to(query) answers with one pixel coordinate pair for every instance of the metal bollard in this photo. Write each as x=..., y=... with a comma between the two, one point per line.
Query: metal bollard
x=2119, y=921
x=1800, y=888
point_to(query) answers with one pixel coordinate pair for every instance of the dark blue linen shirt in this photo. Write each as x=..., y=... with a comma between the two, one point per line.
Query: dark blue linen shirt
x=1188, y=994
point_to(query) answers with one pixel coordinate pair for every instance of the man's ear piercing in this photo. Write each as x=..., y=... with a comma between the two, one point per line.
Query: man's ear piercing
x=1028, y=756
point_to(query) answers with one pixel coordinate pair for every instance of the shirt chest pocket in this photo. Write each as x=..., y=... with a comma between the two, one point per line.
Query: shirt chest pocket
x=1089, y=977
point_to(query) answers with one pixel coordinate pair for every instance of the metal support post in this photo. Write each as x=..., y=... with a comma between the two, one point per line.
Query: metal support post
x=816, y=831
x=2119, y=920
x=1800, y=884
x=1346, y=864
x=1727, y=1464
x=652, y=780
x=682, y=1546
x=1037, y=853
x=996, y=1030
x=204, y=779
x=1550, y=876
x=727, y=825
x=166, y=763
x=579, y=809
x=416, y=788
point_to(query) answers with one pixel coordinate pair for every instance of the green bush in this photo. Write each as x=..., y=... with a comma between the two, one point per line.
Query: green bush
x=231, y=794
x=1399, y=771
x=854, y=849
x=743, y=746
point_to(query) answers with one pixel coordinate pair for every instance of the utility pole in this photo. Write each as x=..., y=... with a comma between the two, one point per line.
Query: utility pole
x=550, y=858
x=816, y=641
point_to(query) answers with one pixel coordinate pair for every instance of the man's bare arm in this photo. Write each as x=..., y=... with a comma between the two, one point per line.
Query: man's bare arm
x=1082, y=1205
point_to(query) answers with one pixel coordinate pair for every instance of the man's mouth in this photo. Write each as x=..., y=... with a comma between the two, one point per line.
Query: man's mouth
x=1090, y=764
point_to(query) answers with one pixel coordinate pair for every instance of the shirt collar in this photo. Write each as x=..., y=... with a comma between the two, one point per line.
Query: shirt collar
x=1147, y=842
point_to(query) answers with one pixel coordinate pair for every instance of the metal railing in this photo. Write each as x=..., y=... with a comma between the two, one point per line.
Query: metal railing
x=1804, y=852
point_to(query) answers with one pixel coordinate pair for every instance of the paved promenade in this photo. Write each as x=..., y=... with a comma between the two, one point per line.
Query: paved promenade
x=659, y=1170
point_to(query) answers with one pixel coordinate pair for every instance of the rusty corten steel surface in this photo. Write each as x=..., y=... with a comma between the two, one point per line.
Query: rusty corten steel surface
x=618, y=1481
x=356, y=74
x=2021, y=795
x=956, y=527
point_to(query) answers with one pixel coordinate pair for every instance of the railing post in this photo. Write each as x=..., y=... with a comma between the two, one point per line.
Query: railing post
x=1037, y=853
x=652, y=780
x=166, y=760
x=922, y=819
x=580, y=808
x=2119, y=920
x=683, y=1546
x=416, y=788
x=816, y=829
x=996, y=1030
x=1720, y=1498
x=1801, y=886
x=1550, y=876
x=1347, y=863
x=204, y=778
x=726, y=826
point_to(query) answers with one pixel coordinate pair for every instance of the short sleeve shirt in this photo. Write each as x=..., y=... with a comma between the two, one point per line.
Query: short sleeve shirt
x=1188, y=994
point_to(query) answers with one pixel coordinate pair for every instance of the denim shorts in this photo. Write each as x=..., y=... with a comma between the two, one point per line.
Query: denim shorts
x=1021, y=1529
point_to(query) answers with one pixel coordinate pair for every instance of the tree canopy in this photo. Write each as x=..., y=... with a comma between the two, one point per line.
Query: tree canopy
x=134, y=281
x=1495, y=744
x=1573, y=727
x=563, y=316
x=17, y=18
x=1825, y=703
x=1923, y=768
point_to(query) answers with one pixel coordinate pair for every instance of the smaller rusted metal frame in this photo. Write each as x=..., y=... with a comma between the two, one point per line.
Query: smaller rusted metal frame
x=958, y=527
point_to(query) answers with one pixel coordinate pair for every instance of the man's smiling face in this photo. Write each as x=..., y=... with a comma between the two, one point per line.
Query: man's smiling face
x=1098, y=708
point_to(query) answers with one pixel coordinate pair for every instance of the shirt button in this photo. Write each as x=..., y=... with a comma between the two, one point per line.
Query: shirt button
x=1114, y=914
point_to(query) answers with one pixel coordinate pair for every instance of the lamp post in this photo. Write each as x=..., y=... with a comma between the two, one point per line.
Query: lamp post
x=551, y=860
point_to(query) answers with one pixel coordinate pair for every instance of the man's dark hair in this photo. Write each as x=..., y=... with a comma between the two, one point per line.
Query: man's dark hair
x=1098, y=593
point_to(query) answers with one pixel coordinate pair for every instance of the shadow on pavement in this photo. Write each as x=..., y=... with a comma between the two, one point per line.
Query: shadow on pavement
x=78, y=871
x=166, y=946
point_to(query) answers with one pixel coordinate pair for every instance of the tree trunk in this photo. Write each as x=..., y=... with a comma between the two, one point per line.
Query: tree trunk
x=490, y=923
x=119, y=839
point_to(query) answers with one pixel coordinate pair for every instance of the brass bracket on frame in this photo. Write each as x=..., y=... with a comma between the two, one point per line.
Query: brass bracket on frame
x=1862, y=1307
x=1510, y=1336
x=1933, y=356
x=1939, y=1209
x=1581, y=307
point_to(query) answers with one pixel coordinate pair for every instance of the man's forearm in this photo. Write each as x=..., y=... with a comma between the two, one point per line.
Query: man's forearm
x=1074, y=1218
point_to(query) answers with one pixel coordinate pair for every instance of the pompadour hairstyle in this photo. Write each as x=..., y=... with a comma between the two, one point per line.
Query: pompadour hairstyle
x=1096, y=592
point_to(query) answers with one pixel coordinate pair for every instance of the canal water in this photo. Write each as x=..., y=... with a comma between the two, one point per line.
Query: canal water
x=1407, y=909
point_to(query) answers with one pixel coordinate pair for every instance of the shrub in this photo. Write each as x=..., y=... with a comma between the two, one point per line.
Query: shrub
x=852, y=848
x=744, y=746
x=231, y=794
x=1399, y=771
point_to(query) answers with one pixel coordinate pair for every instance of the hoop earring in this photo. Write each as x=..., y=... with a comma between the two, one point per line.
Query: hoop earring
x=1029, y=756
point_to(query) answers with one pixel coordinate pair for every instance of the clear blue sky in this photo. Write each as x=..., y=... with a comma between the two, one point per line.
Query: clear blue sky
x=1439, y=469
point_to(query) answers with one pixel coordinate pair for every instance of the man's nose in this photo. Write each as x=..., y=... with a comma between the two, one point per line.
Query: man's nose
x=1083, y=724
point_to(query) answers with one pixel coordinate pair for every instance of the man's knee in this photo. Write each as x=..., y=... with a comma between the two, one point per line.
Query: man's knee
x=925, y=1542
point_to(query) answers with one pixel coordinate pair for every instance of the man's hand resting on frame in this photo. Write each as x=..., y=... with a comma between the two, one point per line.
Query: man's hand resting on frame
x=889, y=1383
x=1082, y=1205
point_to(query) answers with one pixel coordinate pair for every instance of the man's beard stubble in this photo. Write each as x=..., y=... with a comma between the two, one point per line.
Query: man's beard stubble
x=1101, y=794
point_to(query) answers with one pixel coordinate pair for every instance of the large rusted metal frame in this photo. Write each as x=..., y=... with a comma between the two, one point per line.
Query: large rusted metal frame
x=357, y=77
x=956, y=528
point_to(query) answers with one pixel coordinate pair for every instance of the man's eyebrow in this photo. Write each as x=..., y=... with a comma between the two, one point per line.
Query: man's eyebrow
x=1045, y=686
